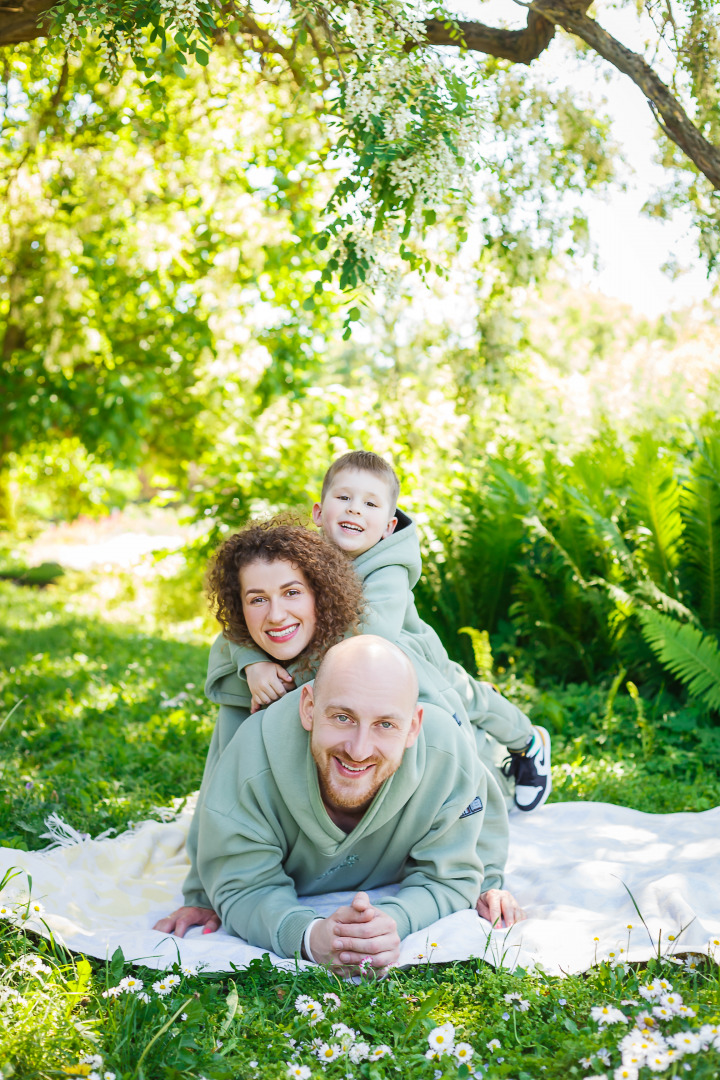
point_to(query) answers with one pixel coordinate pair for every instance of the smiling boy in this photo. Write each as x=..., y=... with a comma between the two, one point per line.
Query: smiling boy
x=358, y=513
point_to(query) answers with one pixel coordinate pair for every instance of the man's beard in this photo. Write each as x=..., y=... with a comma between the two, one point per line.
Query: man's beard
x=352, y=795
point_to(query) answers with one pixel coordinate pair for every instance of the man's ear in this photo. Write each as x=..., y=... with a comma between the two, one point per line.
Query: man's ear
x=415, y=725
x=307, y=703
x=317, y=515
x=389, y=528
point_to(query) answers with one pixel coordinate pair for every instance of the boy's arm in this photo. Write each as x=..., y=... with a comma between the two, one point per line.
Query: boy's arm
x=386, y=593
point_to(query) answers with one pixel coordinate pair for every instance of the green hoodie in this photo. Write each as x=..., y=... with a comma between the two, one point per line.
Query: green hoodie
x=389, y=571
x=265, y=836
x=227, y=687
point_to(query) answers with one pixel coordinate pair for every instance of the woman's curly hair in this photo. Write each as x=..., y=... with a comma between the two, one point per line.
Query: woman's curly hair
x=335, y=586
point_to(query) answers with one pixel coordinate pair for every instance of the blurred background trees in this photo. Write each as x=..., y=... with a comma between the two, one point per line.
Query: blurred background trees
x=179, y=328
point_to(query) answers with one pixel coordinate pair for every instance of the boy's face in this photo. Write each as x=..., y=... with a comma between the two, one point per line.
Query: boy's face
x=356, y=512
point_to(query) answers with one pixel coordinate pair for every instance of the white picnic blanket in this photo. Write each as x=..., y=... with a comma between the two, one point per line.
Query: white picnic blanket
x=572, y=866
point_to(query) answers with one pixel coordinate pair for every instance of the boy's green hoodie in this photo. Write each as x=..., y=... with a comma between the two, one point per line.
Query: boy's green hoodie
x=265, y=836
x=227, y=686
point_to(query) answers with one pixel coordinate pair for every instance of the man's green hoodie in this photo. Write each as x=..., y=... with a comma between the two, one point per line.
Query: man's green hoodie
x=227, y=686
x=265, y=837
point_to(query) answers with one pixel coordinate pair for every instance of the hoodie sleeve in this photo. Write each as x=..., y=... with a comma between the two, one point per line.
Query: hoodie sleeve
x=386, y=593
x=444, y=872
x=241, y=854
x=228, y=723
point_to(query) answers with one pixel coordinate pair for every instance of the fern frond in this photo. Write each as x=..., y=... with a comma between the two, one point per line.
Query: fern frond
x=655, y=500
x=692, y=656
x=700, y=508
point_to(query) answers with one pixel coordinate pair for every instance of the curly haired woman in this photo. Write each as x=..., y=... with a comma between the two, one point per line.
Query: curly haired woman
x=292, y=593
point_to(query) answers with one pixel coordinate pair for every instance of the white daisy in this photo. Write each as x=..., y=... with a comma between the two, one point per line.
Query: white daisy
x=332, y=1000
x=95, y=1060
x=463, y=1052
x=684, y=1010
x=607, y=1014
x=442, y=1038
x=188, y=970
x=493, y=1045
x=378, y=1052
x=298, y=1072
x=131, y=985
x=657, y=1061
x=687, y=1042
x=358, y=1052
x=8, y=994
x=162, y=987
x=327, y=1052
x=307, y=1006
x=172, y=980
x=35, y=910
x=112, y=992
x=8, y=913
x=626, y=1072
x=32, y=965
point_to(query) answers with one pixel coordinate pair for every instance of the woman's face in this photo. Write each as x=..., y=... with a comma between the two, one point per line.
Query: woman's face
x=279, y=607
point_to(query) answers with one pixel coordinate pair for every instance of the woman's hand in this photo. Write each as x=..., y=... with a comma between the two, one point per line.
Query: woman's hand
x=181, y=920
x=267, y=681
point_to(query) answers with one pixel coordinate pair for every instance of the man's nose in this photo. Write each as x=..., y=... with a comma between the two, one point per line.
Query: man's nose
x=359, y=746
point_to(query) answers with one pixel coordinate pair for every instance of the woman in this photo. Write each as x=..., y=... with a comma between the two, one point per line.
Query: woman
x=293, y=594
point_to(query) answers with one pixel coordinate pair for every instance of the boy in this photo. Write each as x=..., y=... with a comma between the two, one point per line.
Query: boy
x=357, y=512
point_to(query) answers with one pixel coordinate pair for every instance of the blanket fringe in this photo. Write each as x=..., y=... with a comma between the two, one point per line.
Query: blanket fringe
x=62, y=835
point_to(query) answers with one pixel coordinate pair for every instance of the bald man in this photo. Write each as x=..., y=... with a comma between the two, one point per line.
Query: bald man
x=351, y=784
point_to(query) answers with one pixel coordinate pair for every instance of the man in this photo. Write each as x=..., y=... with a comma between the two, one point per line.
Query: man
x=350, y=785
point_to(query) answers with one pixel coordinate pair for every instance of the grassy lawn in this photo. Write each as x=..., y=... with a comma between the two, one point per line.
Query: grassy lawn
x=95, y=741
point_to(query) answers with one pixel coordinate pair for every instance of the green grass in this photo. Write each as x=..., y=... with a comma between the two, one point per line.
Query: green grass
x=92, y=742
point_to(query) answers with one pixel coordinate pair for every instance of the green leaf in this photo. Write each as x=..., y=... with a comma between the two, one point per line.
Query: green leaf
x=691, y=655
x=179, y=69
x=201, y=57
x=231, y=1006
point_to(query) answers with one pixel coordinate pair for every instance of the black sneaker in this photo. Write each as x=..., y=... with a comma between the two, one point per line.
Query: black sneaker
x=531, y=770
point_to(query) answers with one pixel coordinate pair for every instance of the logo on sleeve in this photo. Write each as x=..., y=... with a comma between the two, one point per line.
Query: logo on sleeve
x=457, y=719
x=474, y=808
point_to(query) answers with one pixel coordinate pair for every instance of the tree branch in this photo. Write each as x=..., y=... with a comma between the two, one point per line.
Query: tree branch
x=520, y=46
x=676, y=123
x=20, y=21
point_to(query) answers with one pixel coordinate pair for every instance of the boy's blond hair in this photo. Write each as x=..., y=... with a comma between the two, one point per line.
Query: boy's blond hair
x=366, y=461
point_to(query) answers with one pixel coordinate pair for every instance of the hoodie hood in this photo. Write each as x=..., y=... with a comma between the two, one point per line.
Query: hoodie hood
x=400, y=548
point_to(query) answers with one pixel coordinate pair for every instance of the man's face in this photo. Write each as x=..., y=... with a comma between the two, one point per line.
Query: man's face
x=360, y=725
x=356, y=512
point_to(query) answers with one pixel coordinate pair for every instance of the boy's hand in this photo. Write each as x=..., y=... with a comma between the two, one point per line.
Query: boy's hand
x=500, y=908
x=267, y=681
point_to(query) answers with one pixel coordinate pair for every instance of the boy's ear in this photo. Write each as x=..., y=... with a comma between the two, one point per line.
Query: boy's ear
x=317, y=515
x=306, y=707
x=390, y=528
